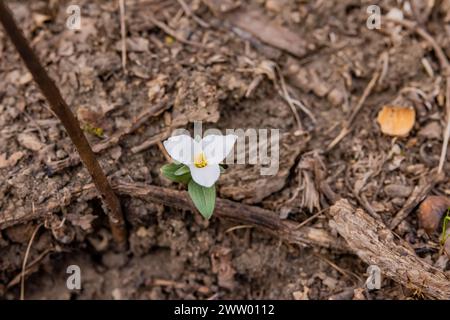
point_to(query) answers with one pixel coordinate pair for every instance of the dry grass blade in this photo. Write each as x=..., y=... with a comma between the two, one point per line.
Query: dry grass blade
x=25, y=259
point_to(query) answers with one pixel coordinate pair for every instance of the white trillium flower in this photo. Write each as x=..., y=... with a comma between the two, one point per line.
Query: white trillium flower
x=202, y=157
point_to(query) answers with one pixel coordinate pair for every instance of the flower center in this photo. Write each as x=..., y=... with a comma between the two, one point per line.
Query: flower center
x=200, y=160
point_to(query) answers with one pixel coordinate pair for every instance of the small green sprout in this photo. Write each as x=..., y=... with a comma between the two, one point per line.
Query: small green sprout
x=444, y=234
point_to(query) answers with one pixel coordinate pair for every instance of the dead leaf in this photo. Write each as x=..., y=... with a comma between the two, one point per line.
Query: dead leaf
x=11, y=161
x=396, y=121
x=30, y=141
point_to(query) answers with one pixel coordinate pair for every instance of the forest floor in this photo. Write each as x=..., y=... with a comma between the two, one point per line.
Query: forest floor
x=230, y=64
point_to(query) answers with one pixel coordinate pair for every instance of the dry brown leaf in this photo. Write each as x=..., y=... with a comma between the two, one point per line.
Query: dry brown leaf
x=431, y=211
x=30, y=141
x=396, y=121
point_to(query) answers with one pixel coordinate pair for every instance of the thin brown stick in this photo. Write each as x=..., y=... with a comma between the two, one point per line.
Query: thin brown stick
x=164, y=134
x=17, y=279
x=62, y=110
x=238, y=212
x=24, y=263
x=123, y=33
x=419, y=193
x=447, y=129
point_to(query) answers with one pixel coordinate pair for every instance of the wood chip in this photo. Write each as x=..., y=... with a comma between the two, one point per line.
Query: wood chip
x=255, y=22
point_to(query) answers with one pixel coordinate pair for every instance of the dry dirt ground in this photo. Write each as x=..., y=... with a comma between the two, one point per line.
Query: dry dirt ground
x=229, y=64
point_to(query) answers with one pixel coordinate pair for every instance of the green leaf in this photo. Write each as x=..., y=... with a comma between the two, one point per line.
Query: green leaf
x=183, y=170
x=168, y=171
x=204, y=198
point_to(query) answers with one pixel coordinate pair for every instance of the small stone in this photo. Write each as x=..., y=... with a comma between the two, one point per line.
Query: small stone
x=336, y=97
x=397, y=190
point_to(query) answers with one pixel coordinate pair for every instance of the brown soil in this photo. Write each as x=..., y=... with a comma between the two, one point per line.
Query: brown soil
x=204, y=71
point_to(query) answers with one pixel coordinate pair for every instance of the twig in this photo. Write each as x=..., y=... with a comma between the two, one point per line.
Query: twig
x=419, y=193
x=164, y=134
x=292, y=102
x=123, y=34
x=238, y=212
x=225, y=209
x=309, y=219
x=17, y=279
x=345, y=273
x=447, y=129
x=189, y=13
x=24, y=263
x=375, y=245
x=238, y=227
x=62, y=110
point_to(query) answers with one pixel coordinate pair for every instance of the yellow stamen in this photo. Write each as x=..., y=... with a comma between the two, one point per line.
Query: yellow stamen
x=200, y=160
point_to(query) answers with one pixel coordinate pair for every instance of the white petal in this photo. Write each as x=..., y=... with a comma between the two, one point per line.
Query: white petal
x=217, y=148
x=181, y=148
x=205, y=176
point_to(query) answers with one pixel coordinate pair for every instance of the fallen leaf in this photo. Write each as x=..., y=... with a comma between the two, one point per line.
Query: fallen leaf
x=30, y=141
x=12, y=160
x=396, y=121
